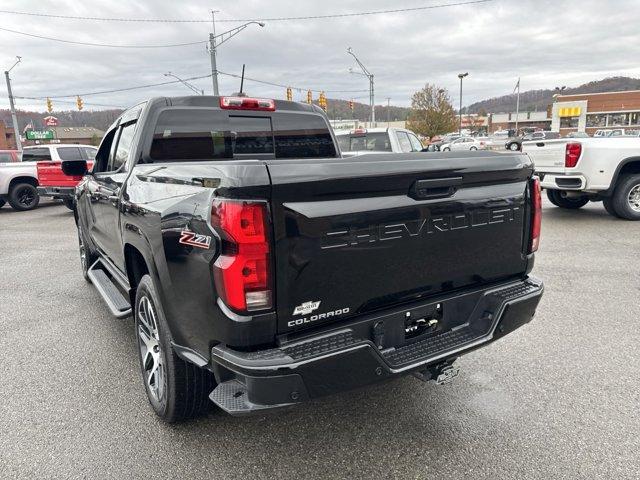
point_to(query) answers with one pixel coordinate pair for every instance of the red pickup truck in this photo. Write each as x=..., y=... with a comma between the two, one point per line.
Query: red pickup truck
x=52, y=182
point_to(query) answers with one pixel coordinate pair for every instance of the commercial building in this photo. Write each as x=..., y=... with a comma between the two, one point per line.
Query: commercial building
x=507, y=121
x=596, y=111
x=73, y=135
x=7, y=137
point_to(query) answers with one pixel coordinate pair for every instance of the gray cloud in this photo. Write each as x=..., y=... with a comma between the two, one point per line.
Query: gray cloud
x=547, y=43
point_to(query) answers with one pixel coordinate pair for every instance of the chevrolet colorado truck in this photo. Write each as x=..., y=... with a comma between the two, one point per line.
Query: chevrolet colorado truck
x=263, y=270
x=576, y=171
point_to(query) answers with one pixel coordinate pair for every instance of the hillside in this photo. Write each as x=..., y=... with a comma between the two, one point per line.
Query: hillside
x=538, y=100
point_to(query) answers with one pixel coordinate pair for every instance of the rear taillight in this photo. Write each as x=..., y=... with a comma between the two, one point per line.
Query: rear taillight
x=242, y=271
x=572, y=154
x=536, y=214
x=246, y=103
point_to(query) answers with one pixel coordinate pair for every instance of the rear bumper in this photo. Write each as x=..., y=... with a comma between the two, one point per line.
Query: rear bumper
x=554, y=181
x=357, y=354
x=58, y=192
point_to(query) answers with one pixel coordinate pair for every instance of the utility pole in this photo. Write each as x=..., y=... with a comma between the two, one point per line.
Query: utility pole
x=388, y=108
x=369, y=75
x=212, y=53
x=461, y=76
x=14, y=118
x=216, y=40
x=517, y=104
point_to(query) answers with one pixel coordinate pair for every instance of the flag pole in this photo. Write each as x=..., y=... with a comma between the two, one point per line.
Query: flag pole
x=517, y=104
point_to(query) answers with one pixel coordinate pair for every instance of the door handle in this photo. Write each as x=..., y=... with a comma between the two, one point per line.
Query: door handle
x=434, y=188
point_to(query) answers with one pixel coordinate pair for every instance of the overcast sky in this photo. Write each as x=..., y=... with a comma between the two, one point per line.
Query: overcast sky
x=547, y=43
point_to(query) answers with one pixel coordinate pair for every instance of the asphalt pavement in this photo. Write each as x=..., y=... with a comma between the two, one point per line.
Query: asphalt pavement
x=559, y=398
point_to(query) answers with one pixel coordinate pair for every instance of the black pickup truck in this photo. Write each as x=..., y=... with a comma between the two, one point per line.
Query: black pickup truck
x=263, y=270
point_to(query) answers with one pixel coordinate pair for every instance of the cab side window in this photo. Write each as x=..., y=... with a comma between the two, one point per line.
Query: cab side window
x=403, y=140
x=104, y=152
x=416, y=145
x=121, y=154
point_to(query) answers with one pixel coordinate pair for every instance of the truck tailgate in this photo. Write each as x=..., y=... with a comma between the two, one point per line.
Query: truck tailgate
x=547, y=155
x=354, y=235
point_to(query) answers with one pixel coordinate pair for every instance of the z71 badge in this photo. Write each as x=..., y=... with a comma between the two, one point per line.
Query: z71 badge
x=187, y=237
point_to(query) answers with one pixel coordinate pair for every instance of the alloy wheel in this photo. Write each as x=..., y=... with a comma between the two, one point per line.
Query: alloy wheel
x=25, y=197
x=153, y=368
x=634, y=198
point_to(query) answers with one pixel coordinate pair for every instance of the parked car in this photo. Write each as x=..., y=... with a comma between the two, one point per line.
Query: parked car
x=617, y=132
x=437, y=145
x=19, y=181
x=390, y=140
x=464, y=143
x=578, y=135
x=575, y=172
x=263, y=269
x=515, y=144
x=10, y=156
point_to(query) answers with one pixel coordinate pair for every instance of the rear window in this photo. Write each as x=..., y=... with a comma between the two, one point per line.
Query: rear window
x=207, y=134
x=35, y=154
x=69, y=153
x=374, y=142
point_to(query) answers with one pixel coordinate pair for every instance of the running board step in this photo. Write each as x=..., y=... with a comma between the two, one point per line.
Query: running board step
x=115, y=300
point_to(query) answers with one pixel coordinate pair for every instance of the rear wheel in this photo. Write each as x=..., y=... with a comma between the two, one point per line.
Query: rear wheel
x=176, y=390
x=514, y=147
x=608, y=206
x=560, y=199
x=626, y=197
x=473, y=149
x=23, y=196
x=69, y=203
x=446, y=149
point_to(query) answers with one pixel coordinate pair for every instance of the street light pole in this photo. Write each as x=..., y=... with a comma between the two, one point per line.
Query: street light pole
x=388, y=109
x=215, y=41
x=369, y=75
x=14, y=118
x=461, y=76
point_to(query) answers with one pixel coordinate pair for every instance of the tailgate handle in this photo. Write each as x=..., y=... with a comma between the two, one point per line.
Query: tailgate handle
x=435, y=187
x=540, y=144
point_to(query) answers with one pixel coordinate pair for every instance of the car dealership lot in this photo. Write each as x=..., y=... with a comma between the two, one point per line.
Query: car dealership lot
x=557, y=399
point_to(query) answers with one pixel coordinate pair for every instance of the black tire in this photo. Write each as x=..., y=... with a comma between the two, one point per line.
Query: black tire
x=87, y=256
x=556, y=197
x=446, y=149
x=514, y=146
x=608, y=206
x=473, y=149
x=69, y=203
x=626, y=197
x=182, y=388
x=2, y=202
x=23, y=196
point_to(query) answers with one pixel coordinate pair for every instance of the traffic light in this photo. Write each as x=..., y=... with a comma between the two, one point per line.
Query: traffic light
x=322, y=101
x=49, y=105
x=79, y=102
x=309, y=96
x=351, y=105
x=289, y=94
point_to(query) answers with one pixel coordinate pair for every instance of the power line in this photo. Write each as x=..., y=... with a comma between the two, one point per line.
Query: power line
x=116, y=90
x=71, y=102
x=90, y=44
x=282, y=85
x=265, y=19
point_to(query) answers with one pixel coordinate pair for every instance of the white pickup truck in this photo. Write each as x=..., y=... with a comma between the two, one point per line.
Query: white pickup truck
x=577, y=171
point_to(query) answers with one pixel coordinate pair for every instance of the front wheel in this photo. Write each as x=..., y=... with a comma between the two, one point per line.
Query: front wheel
x=473, y=149
x=23, y=196
x=176, y=389
x=560, y=199
x=514, y=147
x=626, y=197
x=69, y=203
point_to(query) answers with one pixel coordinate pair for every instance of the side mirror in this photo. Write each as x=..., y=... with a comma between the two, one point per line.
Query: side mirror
x=74, y=168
